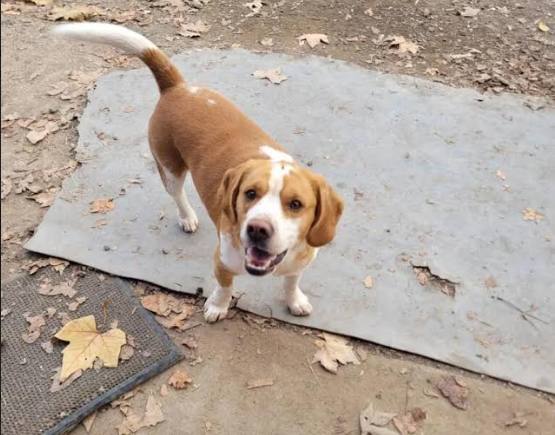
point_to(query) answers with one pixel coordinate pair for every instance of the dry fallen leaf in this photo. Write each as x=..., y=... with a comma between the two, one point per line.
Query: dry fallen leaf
x=44, y=199
x=35, y=136
x=74, y=13
x=490, y=282
x=529, y=214
x=469, y=12
x=193, y=30
x=57, y=264
x=313, y=39
x=401, y=45
x=422, y=278
x=368, y=282
x=164, y=304
x=47, y=346
x=126, y=352
x=85, y=77
x=189, y=342
x=452, y=391
x=372, y=422
x=63, y=318
x=57, y=385
x=102, y=205
x=362, y=353
x=34, y=328
x=542, y=26
x=88, y=421
x=6, y=187
x=500, y=174
x=259, y=383
x=40, y=2
x=159, y=303
x=64, y=288
x=430, y=393
x=273, y=75
x=179, y=380
x=517, y=420
x=267, y=42
x=132, y=422
x=10, y=9
x=72, y=306
x=57, y=88
x=86, y=344
x=334, y=350
x=408, y=423
x=164, y=390
x=122, y=401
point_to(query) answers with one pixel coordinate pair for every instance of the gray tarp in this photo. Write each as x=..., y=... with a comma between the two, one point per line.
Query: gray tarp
x=416, y=163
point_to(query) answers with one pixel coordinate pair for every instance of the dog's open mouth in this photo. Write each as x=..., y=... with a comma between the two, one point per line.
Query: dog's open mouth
x=260, y=262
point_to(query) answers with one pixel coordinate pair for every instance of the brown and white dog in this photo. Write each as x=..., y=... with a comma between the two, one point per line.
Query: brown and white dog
x=271, y=214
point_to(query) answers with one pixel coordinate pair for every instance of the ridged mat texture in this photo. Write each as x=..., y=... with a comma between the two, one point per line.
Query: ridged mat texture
x=28, y=406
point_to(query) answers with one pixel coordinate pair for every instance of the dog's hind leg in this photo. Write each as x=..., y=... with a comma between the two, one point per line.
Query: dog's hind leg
x=174, y=180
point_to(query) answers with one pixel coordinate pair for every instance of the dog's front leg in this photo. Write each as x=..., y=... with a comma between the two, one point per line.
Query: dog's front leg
x=217, y=304
x=296, y=300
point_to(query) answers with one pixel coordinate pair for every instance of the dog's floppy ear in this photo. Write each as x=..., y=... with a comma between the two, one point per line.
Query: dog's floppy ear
x=229, y=191
x=329, y=207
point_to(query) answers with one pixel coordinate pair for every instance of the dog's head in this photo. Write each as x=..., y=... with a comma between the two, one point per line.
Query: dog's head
x=272, y=207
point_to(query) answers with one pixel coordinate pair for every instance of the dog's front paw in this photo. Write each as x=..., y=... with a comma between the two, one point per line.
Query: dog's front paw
x=214, y=312
x=299, y=305
x=189, y=224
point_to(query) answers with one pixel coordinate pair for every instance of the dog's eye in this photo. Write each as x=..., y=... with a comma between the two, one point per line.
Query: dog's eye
x=295, y=204
x=250, y=194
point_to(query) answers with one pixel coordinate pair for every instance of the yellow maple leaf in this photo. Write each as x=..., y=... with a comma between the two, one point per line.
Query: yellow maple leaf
x=86, y=344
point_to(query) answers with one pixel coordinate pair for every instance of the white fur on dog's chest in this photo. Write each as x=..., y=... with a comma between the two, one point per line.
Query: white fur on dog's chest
x=231, y=257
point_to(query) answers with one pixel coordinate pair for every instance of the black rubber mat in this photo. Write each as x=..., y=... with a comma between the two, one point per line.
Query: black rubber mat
x=28, y=406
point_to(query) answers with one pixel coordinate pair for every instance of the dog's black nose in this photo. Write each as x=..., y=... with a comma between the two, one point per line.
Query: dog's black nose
x=259, y=230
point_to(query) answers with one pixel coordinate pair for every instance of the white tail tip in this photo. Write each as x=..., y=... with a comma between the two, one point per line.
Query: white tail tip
x=109, y=34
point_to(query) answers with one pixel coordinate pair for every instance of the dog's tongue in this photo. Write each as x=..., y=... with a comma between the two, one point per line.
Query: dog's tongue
x=258, y=257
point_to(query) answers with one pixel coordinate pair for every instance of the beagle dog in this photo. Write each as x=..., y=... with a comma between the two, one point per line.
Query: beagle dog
x=271, y=213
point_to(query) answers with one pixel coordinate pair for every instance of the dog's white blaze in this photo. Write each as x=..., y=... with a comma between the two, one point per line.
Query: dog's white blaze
x=211, y=102
x=231, y=257
x=286, y=229
x=275, y=155
x=194, y=89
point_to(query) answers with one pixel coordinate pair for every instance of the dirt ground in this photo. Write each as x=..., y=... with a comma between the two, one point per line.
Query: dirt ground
x=502, y=46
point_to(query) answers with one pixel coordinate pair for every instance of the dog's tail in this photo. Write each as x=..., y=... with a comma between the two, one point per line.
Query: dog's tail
x=165, y=72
